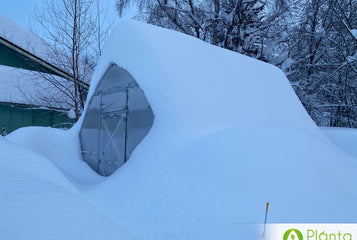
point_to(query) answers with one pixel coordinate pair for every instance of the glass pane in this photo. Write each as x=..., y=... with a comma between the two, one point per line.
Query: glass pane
x=140, y=118
x=112, y=152
x=113, y=102
x=90, y=132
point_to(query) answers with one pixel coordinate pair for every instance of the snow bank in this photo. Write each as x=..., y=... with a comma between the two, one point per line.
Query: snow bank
x=195, y=88
x=344, y=138
x=60, y=149
x=229, y=135
x=38, y=202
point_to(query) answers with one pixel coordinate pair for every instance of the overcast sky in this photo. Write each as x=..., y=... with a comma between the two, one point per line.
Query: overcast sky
x=20, y=11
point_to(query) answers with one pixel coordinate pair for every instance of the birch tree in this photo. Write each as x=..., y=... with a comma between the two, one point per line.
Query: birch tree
x=75, y=36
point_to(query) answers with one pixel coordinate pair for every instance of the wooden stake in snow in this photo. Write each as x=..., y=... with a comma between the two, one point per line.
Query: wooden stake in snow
x=266, y=216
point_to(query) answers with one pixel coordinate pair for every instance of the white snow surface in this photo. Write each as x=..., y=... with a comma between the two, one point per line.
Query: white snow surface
x=38, y=202
x=229, y=135
x=344, y=138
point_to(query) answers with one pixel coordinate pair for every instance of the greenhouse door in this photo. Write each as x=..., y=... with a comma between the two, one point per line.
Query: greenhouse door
x=113, y=129
x=117, y=119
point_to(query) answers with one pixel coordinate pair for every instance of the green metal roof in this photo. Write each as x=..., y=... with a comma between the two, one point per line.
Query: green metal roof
x=15, y=56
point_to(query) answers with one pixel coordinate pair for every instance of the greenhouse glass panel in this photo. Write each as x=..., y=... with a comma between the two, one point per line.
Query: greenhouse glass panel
x=117, y=119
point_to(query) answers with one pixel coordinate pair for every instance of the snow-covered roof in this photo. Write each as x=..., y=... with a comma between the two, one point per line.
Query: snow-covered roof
x=30, y=88
x=195, y=88
x=27, y=87
x=25, y=50
x=23, y=38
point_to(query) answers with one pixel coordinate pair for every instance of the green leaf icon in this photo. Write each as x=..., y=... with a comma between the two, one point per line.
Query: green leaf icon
x=292, y=234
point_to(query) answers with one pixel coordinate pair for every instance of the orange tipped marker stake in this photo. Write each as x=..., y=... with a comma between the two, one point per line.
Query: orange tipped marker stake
x=266, y=216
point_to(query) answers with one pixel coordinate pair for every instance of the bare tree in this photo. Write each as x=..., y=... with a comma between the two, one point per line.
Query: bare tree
x=75, y=36
x=324, y=63
x=239, y=25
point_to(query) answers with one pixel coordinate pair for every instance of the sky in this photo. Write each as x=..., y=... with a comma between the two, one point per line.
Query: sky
x=20, y=11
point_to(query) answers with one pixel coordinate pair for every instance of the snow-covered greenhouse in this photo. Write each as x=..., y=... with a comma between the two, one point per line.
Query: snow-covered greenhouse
x=143, y=78
x=208, y=137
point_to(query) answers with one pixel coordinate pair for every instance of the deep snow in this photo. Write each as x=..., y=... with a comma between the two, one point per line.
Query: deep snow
x=229, y=135
x=344, y=138
x=38, y=202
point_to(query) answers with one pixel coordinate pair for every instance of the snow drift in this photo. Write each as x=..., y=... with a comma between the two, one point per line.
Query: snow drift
x=195, y=86
x=229, y=135
x=344, y=138
x=38, y=202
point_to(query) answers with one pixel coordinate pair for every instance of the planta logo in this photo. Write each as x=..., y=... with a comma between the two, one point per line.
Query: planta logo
x=292, y=234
